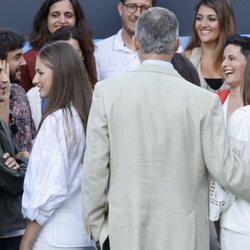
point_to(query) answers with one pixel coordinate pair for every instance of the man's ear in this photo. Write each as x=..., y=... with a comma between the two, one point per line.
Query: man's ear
x=136, y=43
x=120, y=8
x=177, y=44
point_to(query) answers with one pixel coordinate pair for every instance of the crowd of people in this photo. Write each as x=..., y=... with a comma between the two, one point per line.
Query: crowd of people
x=129, y=143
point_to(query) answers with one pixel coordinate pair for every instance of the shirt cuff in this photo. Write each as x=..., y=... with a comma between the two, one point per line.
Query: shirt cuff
x=41, y=220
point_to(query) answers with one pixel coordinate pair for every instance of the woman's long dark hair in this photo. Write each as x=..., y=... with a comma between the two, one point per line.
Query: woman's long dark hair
x=70, y=83
x=68, y=32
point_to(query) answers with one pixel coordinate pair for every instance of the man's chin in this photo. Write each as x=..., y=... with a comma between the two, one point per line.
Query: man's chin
x=15, y=79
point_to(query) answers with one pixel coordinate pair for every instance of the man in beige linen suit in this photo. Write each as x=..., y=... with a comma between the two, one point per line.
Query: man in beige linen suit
x=152, y=138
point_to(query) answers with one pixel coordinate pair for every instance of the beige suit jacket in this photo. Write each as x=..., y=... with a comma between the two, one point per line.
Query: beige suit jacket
x=152, y=137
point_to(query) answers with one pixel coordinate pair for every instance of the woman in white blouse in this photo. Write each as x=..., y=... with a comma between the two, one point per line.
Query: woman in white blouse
x=235, y=216
x=51, y=199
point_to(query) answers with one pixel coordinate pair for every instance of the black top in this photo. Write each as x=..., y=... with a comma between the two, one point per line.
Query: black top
x=214, y=83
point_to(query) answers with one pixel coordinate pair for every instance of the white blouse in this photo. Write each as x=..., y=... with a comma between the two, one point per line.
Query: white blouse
x=52, y=185
x=235, y=211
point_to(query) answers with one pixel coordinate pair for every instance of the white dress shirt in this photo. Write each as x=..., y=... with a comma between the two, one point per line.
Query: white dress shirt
x=236, y=212
x=52, y=186
x=114, y=58
x=237, y=216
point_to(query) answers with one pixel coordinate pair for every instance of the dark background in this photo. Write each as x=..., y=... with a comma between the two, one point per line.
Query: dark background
x=103, y=18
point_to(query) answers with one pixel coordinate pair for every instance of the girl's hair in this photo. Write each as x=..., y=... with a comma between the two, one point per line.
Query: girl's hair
x=70, y=83
x=226, y=21
x=245, y=87
x=68, y=32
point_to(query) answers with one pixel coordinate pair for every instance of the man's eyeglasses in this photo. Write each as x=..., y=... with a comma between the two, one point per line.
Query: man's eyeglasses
x=132, y=8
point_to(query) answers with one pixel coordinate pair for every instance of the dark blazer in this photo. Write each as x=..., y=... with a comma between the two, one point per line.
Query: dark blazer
x=11, y=184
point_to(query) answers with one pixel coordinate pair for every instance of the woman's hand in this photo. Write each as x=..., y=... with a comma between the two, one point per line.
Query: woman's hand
x=24, y=247
x=10, y=162
x=31, y=232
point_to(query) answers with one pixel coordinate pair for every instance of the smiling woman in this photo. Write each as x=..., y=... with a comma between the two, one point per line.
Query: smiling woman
x=43, y=78
x=234, y=220
x=214, y=21
x=234, y=58
x=61, y=14
x=52, y=15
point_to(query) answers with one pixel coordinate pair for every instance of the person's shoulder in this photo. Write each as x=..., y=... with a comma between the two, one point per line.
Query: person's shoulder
x=114, y=83
x=105, y=43
x=57, y=114
x=199, y=95
x=188, y=53
x=108, y=81
x=239, y=122
x=193, y=53
x=17, y=89
x=31, y=52
x=30, y=56
x=242, y=113
x=33, y=92
x=53, y=120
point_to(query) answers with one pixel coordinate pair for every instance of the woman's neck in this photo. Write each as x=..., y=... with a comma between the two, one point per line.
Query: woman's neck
x=235, y=91
x=209, y=65
x=234, y=101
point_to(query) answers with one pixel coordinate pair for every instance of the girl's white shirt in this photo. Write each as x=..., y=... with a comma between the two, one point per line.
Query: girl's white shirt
x=52, y=185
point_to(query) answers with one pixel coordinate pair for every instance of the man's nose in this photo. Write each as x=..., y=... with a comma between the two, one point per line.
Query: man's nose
x=22, y=61
x=138, y=11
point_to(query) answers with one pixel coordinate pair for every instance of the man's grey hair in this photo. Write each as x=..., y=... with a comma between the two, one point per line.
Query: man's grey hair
x=157, y=31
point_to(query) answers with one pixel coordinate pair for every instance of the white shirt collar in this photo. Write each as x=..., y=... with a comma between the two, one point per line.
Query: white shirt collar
x=119, y=44
x=159, y=62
